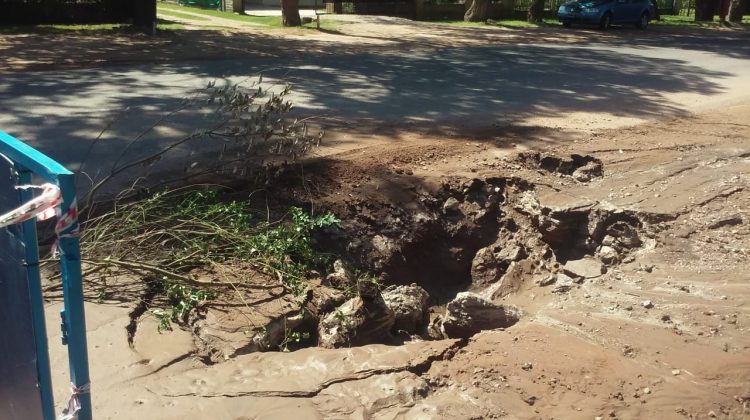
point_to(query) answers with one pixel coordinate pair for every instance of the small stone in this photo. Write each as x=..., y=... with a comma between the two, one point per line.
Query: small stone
x=409, y=305
x=647, y=304
x=676, y=372
x=608, y=255
x=358, y=321
x=527, y=366
x=469, y=313
x=711, y=414
x=646, y=391
x=563, y=283
x=546, y=280
x=530, y=400
x=628, y=351
x=341, y=277
x=450, y=205
x=587, y=268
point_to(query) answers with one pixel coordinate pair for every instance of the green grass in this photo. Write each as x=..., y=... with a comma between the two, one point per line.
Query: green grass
x=689, y=21
x=503, y=23
x=104, y=28
x=269, y=21
x=168, y=25
x=174, y=13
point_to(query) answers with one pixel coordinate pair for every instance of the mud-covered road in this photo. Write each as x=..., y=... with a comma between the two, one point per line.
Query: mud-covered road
x=588, y=190
x=630, y=277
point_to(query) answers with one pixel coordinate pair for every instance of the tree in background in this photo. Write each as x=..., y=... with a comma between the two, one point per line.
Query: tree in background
x=478, y=11
x=705, y=10
x=290, y=13
x=736, y=9
x=536, y=11
x=144, y=15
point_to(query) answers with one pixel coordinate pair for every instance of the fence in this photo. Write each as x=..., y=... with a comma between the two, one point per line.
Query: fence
x=25, y=383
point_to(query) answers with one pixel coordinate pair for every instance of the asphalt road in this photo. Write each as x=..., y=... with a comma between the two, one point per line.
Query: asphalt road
x=62, y=112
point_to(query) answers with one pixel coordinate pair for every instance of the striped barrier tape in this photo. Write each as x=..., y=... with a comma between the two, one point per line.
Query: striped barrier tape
x=42, y=207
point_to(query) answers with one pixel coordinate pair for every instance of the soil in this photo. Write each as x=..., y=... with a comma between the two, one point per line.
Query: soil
x=625, y=251
x=657, y=330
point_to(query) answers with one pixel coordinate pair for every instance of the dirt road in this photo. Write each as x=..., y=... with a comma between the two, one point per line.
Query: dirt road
x=375, y=76
x=579, y=159
x=662, y=333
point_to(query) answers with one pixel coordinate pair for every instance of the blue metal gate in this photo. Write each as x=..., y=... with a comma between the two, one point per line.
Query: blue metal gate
x=20, y=395
x=25, y=383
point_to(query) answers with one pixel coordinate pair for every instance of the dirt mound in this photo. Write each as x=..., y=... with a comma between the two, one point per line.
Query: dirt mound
x=619, y=297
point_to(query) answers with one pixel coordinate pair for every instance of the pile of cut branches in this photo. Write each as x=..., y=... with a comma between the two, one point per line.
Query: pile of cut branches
x=161, y=232
x=170, y=233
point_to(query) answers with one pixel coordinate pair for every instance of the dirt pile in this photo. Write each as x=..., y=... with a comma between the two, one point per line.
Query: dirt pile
x=621, y=296
x=490, y=236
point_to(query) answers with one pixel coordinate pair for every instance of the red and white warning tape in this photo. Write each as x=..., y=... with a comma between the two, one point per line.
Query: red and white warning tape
x=70, y=412
x=43, y=206
x=66, y=220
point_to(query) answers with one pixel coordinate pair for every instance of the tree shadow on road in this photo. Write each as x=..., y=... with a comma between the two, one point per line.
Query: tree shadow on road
x=439, y=91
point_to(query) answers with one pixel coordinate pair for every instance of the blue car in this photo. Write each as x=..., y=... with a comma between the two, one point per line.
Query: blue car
x=606, y=13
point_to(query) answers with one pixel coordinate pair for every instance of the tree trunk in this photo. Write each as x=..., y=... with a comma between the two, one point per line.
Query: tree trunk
x=705, y=10
x=238, y=6
x=736, y=9
x=290, y=13
x=478, y=11
x=536, y=11
x=144, y=15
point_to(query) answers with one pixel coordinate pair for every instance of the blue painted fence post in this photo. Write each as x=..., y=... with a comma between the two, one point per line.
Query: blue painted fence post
x=74, y=315
x=29, y=160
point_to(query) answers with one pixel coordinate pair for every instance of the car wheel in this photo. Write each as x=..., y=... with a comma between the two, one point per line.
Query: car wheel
x=606, y=21
x=643, y=22
x=567, y=24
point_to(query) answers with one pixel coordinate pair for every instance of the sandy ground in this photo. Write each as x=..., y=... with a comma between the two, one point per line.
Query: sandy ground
x=596, y=350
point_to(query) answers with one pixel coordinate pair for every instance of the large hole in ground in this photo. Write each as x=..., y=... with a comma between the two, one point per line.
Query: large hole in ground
x=438, y=262
x=471, y=236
